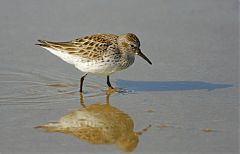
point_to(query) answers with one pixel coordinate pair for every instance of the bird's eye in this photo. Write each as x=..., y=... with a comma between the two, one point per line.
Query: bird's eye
x=132, y=46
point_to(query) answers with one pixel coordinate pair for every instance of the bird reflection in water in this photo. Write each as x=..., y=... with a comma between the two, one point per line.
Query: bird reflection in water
x=99, y=123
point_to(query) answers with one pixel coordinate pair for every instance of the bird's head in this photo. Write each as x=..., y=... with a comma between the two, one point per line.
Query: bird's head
x=130, y=44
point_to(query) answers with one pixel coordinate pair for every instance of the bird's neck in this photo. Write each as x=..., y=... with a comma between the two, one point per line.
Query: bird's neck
x=127, y=60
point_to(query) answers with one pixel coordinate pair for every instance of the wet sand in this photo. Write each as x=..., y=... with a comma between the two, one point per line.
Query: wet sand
x=189, y=96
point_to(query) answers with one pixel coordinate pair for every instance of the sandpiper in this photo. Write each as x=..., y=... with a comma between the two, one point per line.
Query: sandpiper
x=100, y=54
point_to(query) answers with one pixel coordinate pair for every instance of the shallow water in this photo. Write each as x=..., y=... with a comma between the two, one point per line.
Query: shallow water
x=186, y=102
x=181, y=113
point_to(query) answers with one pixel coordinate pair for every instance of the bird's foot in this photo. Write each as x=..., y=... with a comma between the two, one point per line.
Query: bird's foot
x=111, y=90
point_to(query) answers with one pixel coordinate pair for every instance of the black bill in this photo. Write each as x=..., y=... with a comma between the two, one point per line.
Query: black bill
x=144, y=57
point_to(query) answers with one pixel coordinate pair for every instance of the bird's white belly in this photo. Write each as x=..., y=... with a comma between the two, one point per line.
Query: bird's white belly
x=97, y=67
x=104, y=67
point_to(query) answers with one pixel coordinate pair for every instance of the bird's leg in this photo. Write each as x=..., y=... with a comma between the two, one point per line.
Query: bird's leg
x=143, y=130
x=108, y=83
x=81, y=82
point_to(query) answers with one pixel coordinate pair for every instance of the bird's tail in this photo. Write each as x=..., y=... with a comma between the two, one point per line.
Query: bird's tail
x=43, y=43
x=51, y=127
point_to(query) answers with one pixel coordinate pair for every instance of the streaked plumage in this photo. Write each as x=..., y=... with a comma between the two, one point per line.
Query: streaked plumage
x=101, y=54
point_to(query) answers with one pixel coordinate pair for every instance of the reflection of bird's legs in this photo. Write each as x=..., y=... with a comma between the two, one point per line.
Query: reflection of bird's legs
x=143, y=130
x=82, y=101
x=109, y=92
x=107, y=98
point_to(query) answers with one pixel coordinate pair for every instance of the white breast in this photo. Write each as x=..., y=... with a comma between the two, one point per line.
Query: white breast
x=98, y=67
